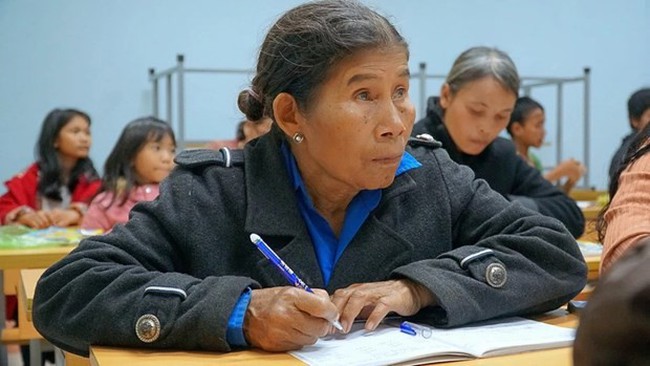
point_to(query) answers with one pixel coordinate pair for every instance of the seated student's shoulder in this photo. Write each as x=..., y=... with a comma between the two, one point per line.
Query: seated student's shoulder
x=504, y=146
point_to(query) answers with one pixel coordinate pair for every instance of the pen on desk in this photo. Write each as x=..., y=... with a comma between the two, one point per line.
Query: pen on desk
x=286, y=271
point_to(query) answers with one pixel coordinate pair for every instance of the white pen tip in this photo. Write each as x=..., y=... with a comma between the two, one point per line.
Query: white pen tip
x=254, y=238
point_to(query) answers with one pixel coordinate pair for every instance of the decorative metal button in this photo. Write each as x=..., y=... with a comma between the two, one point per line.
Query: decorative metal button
x=496, y=275
x=147, y=328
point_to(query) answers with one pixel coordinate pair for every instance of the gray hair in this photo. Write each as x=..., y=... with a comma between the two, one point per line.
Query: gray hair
x=479, y=62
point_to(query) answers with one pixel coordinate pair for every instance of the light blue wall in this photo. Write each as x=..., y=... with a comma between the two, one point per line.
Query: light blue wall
x=94, y=55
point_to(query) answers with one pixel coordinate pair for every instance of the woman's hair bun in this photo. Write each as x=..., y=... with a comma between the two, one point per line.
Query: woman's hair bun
x=250, y=104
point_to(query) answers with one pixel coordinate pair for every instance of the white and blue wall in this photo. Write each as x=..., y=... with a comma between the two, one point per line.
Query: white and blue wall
x=95, y=56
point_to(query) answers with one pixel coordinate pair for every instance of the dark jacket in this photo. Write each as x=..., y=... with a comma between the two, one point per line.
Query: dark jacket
x=195, y=238
x=506, y=173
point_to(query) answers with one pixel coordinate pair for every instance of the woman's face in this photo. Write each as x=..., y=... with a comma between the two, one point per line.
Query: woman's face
x=357, y=129
x=74, y=139
x=531, y=131
x=476, y=113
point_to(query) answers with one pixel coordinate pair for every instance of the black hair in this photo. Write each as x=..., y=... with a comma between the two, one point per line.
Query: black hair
x=523, y=107
x=638, y=103
x=119, y=172
x=305, y=44
x=239, y=132
x=50, y=179
x=639, y=146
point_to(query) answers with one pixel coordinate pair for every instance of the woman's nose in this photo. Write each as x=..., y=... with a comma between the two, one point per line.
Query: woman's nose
x=393, y=123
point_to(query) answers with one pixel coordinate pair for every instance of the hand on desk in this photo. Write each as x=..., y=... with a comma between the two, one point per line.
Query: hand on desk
x=373, y=301
x=287, y=318
x=43, y=219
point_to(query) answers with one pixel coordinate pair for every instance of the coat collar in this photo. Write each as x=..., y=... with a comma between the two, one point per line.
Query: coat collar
x=272, y=212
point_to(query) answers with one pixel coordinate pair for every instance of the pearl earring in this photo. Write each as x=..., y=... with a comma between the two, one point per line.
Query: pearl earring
x=298, y=137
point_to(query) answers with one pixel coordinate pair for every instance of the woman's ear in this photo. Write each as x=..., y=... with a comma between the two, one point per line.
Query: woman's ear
x=287, y=114
x=445, y=96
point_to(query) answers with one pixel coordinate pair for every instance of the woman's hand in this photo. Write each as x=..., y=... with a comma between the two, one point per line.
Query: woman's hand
x=287, y=318
x=35, y=219
x=375, y=300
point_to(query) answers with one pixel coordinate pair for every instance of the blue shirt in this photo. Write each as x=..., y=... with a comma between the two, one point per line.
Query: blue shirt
x=327, y=246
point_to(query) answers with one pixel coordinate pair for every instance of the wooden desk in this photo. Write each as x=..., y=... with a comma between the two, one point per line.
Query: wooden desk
x=107, y=356
x=11, y=261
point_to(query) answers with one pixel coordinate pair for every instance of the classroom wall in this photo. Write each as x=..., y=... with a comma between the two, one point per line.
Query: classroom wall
x=95, y=56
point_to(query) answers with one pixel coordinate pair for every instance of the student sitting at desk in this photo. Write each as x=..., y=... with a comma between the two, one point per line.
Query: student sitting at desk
x=57, y=188
x=142, y=157
x=638, y=110
x=473, y=108
x=336, y=190
x=625, y=221
x=526, y=127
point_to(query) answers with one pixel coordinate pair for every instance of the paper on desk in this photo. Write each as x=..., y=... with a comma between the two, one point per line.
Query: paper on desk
x=387, y=345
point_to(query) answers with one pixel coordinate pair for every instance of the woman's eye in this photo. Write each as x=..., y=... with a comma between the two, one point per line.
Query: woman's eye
x=399, y=93
x=365, y=96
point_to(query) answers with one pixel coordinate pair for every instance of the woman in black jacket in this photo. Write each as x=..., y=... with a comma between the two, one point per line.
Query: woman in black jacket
x=474, y=106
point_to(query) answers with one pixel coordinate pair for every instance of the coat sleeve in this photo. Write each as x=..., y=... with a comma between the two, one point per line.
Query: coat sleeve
x=21, y=192
x=505, y=259
x=97, y=293
x=532, y=188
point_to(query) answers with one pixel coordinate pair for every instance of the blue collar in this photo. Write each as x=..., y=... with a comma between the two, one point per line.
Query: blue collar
x=327, y=246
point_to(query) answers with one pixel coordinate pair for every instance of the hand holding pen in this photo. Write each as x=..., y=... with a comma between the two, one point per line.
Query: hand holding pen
x=287, y=318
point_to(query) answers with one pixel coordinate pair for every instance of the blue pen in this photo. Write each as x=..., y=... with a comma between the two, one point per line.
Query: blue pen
x=286, y=271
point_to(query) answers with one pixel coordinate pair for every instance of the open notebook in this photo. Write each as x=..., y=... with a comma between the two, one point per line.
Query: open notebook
x=387, y=345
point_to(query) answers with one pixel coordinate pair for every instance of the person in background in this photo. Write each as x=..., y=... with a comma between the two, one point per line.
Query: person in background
x=474, y=106
x=638, y=110
x=142, y=157
x=374, y=226
x=625, y=221
x=248, y=130
x=526, y=127
x=56, y=189
x=615, y=325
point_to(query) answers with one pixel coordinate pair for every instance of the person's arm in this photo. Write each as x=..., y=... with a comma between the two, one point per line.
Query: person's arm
x=96, y=216
x=572, y=169
x=507, y=260
x=545, y=198
x=19, y=198
x=628, y=215
x=113, y=284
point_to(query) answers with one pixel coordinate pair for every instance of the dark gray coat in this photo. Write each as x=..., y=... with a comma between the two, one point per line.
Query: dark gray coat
x=194, y=237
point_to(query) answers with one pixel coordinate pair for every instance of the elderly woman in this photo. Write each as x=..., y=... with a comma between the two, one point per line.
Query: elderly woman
x=474, y=106
x=378, y=226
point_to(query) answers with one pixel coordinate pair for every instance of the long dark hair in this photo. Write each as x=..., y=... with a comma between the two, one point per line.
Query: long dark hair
x=639, y=146
x=119, y=172
x=50, y=180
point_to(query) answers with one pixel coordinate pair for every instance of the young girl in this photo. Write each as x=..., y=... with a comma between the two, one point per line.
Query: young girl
x=56, y=189
x=526, y=127
x=142, y=157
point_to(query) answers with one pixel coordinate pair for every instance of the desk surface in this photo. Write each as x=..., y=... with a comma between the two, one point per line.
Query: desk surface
x=107, y=356
x=32, y=257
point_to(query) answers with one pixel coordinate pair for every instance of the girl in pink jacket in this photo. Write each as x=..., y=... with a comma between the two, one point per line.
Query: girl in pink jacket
x=142, y=157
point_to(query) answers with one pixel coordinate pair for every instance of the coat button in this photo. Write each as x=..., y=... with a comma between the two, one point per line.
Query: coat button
x=147, y=328
x=496, y=275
